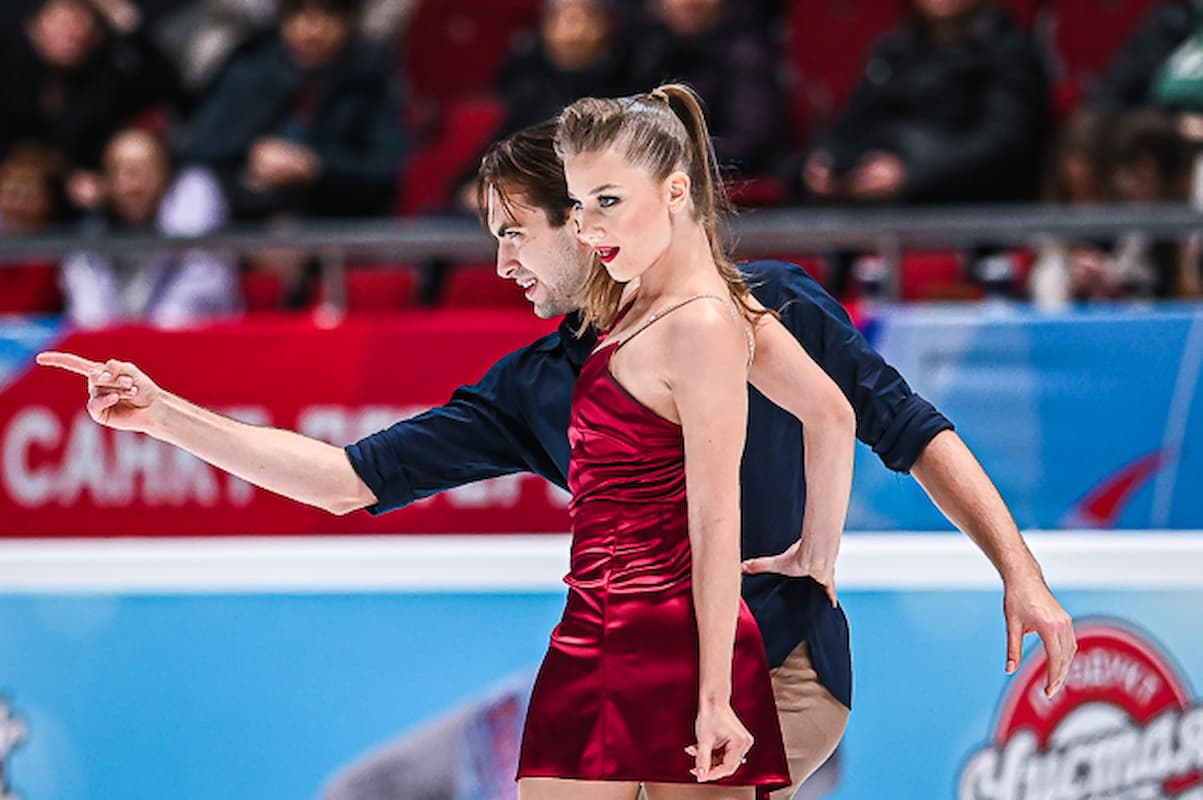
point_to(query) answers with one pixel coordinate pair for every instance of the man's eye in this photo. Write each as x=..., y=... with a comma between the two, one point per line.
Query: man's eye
x=605, y=201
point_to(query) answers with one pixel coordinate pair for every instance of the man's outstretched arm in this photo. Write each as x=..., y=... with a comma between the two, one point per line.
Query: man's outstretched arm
x=960, y=488
x=910, y=435
x=310, y=471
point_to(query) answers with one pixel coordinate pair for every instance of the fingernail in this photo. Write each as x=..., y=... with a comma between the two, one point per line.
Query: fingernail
x=1011, y=666
x=105, y=377
x=133, y=390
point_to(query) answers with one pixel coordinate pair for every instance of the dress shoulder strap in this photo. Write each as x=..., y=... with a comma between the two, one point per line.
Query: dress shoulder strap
x=658, y=315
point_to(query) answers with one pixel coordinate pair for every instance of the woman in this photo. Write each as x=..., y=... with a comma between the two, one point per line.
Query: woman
x=656, y=673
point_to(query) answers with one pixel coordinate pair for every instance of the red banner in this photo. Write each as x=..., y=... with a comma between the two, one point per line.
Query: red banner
x=64, y=475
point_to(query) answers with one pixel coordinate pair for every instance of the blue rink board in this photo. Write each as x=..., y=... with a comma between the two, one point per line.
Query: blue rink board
x=264, y=697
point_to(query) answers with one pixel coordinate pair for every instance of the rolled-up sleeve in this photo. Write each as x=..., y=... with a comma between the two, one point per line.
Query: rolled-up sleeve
x=890, y=418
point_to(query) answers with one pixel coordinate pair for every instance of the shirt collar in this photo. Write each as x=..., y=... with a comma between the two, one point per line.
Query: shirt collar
x=576, y=348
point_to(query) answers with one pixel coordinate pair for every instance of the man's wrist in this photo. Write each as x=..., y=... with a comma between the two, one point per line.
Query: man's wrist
x=160, y=414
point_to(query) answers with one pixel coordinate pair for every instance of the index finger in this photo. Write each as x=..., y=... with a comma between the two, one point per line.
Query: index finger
x=68, y=361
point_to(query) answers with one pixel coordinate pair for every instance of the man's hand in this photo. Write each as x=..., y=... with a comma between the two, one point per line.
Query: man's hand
x=819, y=174
x=1029, y=607
x=120, y=395
x=879, y=176
x=120, y=15
x=800, y=560
x=275, y=162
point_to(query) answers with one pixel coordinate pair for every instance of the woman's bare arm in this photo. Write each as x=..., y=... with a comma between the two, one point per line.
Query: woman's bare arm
x=786, y=375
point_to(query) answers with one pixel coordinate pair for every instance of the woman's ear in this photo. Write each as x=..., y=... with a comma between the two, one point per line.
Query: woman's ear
x=677, y=189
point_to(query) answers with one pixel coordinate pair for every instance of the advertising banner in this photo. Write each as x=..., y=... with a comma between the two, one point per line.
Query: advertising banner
x=63, y=475
x=1083, y=418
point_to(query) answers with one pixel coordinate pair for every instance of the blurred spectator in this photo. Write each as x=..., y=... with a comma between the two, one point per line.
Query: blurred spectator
x=306, y=121
x=1130, y=81
x=1142, y=158
x=1159, y=67
x=953, y=108
x=144, y=194
x=31, y=189
x=205, y=33
x=572, y=57
x=31, y=198
x=718, y=48
x=76, y=71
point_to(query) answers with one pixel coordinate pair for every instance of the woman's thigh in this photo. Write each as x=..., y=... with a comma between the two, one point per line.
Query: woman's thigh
x=564, y=789
x=698, y=791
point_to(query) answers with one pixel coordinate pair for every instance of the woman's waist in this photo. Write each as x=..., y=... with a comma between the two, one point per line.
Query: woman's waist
x=630, y=557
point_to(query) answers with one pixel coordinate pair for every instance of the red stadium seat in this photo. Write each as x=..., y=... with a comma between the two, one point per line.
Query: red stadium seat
x=381, y=288
x=1087, y=34
x=935, y=275
x=427, y=182
x=453, y=48
x=826, y=46
x=477, y=286
x=262, y=290
x=30, y=289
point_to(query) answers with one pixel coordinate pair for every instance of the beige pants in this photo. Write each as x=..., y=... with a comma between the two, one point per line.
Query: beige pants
x=812, y=720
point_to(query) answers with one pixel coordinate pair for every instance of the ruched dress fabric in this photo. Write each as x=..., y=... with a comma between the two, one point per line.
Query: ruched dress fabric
x=616, y=697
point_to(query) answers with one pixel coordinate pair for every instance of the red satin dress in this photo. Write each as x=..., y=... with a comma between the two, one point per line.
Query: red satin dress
x=616, y=695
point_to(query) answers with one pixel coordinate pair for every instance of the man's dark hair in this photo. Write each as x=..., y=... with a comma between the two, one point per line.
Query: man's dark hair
x=349, y=8
x=525, y=169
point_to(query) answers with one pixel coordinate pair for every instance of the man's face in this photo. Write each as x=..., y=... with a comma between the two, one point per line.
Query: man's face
x=549, y=263
x=690, y=17
x=576, y=33
x=137, y=172
x=316, y=36
x=65, y=32
x=940, y=10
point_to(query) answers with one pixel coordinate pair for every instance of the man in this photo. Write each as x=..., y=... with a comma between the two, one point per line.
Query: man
x=515, y=419
x=305, y=121
x=72, y=74
x=143, y=192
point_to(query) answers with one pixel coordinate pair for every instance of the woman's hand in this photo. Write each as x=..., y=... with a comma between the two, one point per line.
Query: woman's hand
x=802, y=559
x=723, y=742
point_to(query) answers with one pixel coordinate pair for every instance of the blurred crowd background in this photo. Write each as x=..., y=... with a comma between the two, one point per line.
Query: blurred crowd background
x=186, y=116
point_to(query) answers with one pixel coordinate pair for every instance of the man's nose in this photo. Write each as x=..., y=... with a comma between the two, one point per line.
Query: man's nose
x=507, y=265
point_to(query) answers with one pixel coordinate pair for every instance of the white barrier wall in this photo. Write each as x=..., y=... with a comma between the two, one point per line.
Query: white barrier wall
x=349, y=667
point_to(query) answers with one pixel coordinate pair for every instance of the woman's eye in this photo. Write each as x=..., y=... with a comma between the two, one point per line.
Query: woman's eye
x=576, y=205
x=606, y=201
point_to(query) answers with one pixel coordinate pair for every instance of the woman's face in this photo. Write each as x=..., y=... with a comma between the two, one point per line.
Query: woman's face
x=26, y=203
x=621, y=210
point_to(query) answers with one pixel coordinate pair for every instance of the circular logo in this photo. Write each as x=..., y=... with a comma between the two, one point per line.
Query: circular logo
x=1124, y=727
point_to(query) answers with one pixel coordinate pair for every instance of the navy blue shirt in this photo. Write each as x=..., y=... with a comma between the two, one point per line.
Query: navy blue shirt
x=516, y=420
